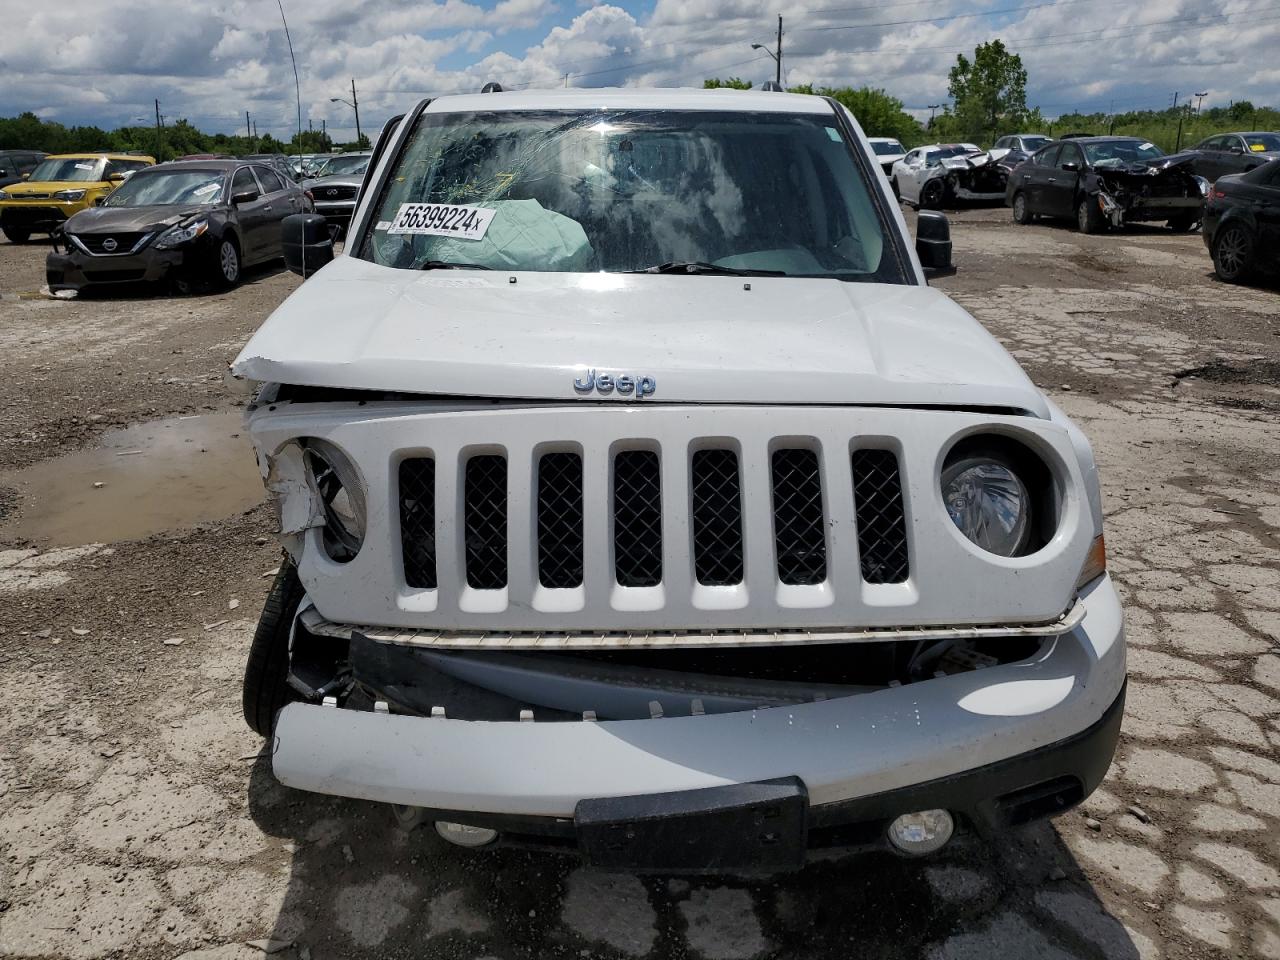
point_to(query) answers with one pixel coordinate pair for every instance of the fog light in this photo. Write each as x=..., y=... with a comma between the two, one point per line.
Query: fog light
x=465, y=836
x=923, y=832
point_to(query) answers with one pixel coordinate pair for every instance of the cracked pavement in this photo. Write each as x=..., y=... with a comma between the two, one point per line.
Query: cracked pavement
x=139, y=817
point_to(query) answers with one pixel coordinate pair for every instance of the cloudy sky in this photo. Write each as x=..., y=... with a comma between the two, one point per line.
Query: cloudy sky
x=78, y=61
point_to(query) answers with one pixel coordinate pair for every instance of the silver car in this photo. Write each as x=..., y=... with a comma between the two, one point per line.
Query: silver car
x=336, y=185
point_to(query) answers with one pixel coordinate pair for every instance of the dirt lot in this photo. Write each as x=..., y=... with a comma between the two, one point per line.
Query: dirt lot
x=139, y=818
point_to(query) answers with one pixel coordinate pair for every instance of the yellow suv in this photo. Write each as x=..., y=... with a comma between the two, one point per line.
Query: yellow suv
x=60, y=186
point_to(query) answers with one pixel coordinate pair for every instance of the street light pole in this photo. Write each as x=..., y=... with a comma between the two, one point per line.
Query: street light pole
x=777, y=57
x=355, y=105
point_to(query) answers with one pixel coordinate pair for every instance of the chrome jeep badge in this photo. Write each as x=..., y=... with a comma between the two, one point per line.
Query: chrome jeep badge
x=624, y=383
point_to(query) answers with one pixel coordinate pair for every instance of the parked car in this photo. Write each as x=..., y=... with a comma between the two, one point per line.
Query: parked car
x=1027, y=143
x=61, y=186
x=942, y=173
x=336, y=186
x=1103, y=181
x=1242, y=223
x=280, y=163
x=574, y=563
x=192, y=222
x=15, y=165
x=1228, y=153
x=888, y=151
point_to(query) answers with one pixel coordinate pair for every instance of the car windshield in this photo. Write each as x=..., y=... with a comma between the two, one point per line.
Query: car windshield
x=163, y=187
x=348, y=166
x=885, y=148
x=1032, y=144
x=1121, y=152
x=1263, y=142
x=633, y=190
x=67, y=168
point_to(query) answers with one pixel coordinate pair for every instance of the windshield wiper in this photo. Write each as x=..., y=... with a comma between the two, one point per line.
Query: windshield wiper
x=450, y=265
x=700, y=266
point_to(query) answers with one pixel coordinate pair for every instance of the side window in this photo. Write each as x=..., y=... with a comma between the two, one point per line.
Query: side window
x=1048, y=157
x=1234, y=144
x=243, y=182
x=932, y=158
x=270, y=182
x=114, y=166
x=1070, y=154
x=130, y=166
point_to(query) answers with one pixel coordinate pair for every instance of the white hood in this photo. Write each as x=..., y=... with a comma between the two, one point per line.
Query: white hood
x=702, y=339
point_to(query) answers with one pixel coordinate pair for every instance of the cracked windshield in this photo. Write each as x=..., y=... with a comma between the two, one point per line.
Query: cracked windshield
x=626, y=191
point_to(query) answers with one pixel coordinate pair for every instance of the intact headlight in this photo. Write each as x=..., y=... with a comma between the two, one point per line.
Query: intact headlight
x=69, y=194
x=334, y=479
x=3, y=195
x=181, y=234
x=989, y=503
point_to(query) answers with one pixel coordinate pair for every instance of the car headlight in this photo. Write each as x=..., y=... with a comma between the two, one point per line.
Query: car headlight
x=69, y=194
x=3, y=195
x=181, y=234
x=989, y=503
x=334, y=479
x=1204, y=186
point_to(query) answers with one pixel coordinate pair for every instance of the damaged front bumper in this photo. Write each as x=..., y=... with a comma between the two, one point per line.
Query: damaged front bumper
x=995, y=746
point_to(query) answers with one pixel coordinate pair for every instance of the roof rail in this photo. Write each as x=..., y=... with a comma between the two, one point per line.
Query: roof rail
x=772, y=86
x=491, y=87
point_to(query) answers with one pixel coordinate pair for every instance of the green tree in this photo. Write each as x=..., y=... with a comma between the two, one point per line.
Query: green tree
x=878, y=113
x=733, y=83
x=989, y=92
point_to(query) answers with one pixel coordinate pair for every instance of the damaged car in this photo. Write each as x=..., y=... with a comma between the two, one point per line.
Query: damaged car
x=941, y=174
x=637, y=509
x=1107, y=182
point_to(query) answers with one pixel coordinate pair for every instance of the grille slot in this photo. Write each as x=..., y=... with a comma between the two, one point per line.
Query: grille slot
x=560, y=520
x=717, y=518
x=418, y=521
x=637, y=518
x=882, y=524
x=798, y=528
x=485, y=521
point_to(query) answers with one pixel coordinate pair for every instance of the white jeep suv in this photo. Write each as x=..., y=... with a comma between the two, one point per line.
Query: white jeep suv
x=641, y=500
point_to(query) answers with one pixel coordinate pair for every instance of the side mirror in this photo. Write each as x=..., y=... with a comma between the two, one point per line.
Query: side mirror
x=1071, y=167
x=26, y=176
x=933, y=243
x=245, y=196
x=1236, y=148
x=116, y=177
x=98, y=201
x=306, y=243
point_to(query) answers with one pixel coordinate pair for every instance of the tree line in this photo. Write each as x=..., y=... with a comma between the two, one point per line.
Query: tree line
x=988, y=99
x=28, y=132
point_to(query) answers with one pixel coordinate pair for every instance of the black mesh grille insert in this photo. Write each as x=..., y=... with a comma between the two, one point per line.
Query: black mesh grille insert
x=485, y=521
x=418, y=521
x=882, y=526
x=717, y=518
x=797, y=517
x=637, y=518
x=560, y=520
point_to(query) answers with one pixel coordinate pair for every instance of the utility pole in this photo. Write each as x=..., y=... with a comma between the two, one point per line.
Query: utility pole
x=355, y=105
x=778, y=58
x=248, y=130
x=158, y=143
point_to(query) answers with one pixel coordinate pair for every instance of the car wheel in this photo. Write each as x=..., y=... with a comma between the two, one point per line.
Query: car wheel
x=897, y=194
x=1021, y=212
x=1088, y=216
x=226, y=272
x=931, y=194
x=1182, y=224
x=266, y=675
x=1233, y=253
x=16, y=234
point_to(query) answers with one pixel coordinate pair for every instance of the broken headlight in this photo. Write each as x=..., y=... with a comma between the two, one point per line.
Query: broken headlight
x=1204, y=186
x=334, y=480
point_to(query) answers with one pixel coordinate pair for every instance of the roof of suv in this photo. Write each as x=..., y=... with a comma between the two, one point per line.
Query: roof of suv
x=629, y=98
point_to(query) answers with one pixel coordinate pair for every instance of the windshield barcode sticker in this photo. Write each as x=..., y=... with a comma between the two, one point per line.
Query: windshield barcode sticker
x=442, y=220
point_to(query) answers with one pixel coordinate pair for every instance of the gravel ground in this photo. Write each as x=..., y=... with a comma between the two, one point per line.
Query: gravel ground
x=139, y=818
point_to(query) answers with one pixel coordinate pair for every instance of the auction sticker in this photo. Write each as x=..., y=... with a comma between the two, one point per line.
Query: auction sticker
x=442, y=220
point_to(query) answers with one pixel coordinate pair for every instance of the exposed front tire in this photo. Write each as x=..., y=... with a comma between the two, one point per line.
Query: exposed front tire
x=226, y=265
x=16, y=234
x=1088, y=216
x=266, y=675
x=1233, y=253
x=1021, y=212
x=893, y=182
x=931, y=195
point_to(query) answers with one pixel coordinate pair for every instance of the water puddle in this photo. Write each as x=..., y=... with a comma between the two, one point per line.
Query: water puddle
x=161, y=475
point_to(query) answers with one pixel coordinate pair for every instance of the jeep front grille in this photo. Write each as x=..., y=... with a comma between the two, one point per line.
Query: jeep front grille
x=882, y=524
x=550, y=518
x=418, y=521
x=799, y=530
x=485, y=521
x=716, y=495
x=560, y=520
x=637, y=518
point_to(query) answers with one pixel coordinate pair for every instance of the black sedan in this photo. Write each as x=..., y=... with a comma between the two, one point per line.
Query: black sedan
x=1242, y=223
x=1101, y=181
x=1227, y=153
x=196, y=223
